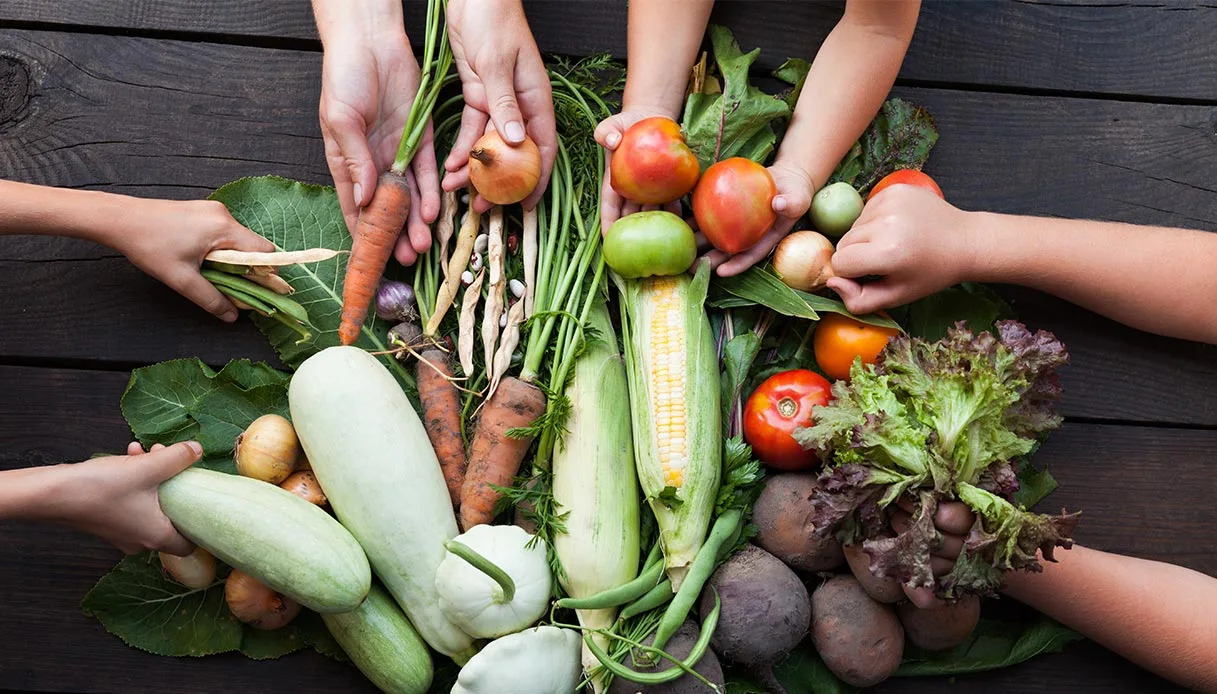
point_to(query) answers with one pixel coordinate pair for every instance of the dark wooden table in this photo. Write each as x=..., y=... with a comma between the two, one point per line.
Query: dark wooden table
x=1046, y=108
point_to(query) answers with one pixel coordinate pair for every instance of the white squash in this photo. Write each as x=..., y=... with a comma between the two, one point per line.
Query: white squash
x=542, y=660
x=372, y=457
x=486, y=606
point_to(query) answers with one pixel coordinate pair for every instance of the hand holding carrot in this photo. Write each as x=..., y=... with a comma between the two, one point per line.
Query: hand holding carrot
x=369, y=78
x=505, y=84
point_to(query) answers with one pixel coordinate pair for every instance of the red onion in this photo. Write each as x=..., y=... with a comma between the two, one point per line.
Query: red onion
x=395, y=301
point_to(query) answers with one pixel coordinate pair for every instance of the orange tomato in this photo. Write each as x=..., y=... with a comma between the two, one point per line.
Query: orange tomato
x=839, y=340
x=911, y=177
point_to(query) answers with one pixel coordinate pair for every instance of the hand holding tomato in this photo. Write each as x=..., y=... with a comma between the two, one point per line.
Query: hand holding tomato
x=784, y=402
x=609, y=134
x=792, y=190
x=839, y=340
x=916, y=243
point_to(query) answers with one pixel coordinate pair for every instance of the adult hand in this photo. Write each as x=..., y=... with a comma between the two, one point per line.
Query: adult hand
x=609, y=132
x=916, y=241
x=794, y=191
x=168, y=239
x=369, y=78
x=954, y=520
x=505, y=85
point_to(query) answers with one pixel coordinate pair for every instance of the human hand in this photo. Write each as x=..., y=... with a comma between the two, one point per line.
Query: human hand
x=794, y=191
x=168, y=239
x=369, y=78
x=505, y=85
x=609, y=132
x=115, y=498
x=917, y=242
x=954, y=521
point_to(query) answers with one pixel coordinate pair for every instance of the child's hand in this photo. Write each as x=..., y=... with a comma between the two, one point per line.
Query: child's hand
x=795, y=189
x=505, y=84
x=609, y=133
x=115, y=498
x=917, y=242
x=954, y=520
x=168, y=239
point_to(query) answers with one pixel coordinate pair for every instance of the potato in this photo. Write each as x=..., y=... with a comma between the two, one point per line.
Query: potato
x=881, y=589
x=782, y=517
x=679, y=646
x=765, y=608
x=942, y=627
x=859, y=639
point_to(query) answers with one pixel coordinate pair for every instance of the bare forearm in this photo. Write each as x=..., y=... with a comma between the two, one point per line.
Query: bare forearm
x=31, y=493
x=1160, y=616
x=339, y=19
x=85, y=214
x=849, y=79
x=664, y=36
x=1157, y=279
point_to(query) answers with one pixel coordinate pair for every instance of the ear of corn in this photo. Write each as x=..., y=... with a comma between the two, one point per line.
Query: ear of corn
x=593, y=479
x=674, y=402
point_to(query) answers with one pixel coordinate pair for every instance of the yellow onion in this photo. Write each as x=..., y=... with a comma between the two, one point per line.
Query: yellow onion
x=501, y=173
x=304, y=484
x=255, y=604
x=803, y=260
x=196, y=570
x=268, y=449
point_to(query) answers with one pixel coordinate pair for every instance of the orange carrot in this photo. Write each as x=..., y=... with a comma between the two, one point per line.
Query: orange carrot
x=372, y=244
x=442, y=418
x=495, y=457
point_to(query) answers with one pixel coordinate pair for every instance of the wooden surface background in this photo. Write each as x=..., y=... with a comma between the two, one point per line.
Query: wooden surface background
x=1049, y=108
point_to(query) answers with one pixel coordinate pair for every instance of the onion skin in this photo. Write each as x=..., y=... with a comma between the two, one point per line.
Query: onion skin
x=304, y=484
x=268, y=449
x=395, y=301
x=803, y=260
x=253, y=603
x=196, y=570
x=501, y=173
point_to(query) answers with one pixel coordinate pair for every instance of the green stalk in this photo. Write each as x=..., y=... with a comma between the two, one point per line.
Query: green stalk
x=484, y=565
x=435, y=68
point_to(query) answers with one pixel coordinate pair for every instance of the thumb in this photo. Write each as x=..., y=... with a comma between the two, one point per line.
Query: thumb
x=608, y=133
x=352, y=145
x=244, y=239
x=865, y=298
x=162, y=464
x=504, y=109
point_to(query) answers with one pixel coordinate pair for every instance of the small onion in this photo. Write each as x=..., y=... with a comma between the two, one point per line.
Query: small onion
x=304, y=484
x=803, y=260
x=196, y=570
x=501, y=173
x=255, y=604
x=395, y=301
x=268, y=449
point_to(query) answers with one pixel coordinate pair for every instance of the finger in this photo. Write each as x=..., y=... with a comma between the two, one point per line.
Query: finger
x=170, y=541
x=193, y=286
x=610, y=205
x=426, y=177
x=499, y=83
x=954, y=517
x=673, y=207
x=161, y=464
x=481, y=205
x=859, y=260
x=350, y=135
x=342, y=179
x=629, y=207
x=241, y=238
x=417, y=238
x=608, y=132
x=537, y=103
x=923, y=598
x=900, y=521
x=742, y=261
x=156, y=447
x=874, y=296
x=940, y=566
x=134, y=448
x=715, y=258
x=950, y=547
x=473, y=126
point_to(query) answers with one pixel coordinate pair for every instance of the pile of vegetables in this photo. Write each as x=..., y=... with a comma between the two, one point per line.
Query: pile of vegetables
x=543, y=460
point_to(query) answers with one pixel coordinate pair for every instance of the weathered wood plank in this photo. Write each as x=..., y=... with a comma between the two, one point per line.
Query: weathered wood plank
x=1143, y=490
x=1131, y=162
x=1158, y=49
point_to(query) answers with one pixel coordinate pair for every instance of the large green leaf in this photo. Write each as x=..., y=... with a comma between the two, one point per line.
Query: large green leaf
x=296, y=216
x=994, y=644
x=932, y=316
x=147, y=610
x=185, y=399
x=759, y=286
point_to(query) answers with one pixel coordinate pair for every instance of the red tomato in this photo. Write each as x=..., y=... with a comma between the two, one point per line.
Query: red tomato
x=733, y=204
x=839, y=339
x=783, y=403
x=652, y=164
x=910, y=177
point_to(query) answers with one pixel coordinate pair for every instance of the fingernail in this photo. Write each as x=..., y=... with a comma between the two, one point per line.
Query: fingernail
x=779, y=204
x=229, y=317
x=195, y=448
x=358, y=193
x=613, y=139
x=515, y=132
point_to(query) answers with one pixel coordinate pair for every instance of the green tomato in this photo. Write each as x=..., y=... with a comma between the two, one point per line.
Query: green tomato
x=835, y=208
x=646, y=244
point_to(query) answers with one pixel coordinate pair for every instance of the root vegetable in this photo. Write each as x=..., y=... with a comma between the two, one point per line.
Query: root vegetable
x=504, y=174
x=371, y=245
x=679, y=646
x=782, y=515
x=940, y=628
x=304, y=484
x=196, y=570
x=803, y=260
x=395, y=301
x=268, y=449
x=765, y=608
x=495, y=457
x=255, y=604
x=859, y=639
x=441, y=408
x=882, y=589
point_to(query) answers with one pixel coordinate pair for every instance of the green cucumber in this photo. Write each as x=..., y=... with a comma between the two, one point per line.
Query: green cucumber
x=379, y=639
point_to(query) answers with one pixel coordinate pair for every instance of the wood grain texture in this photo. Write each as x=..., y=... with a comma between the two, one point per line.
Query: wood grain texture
x=1143, y=490
x=1151, y=49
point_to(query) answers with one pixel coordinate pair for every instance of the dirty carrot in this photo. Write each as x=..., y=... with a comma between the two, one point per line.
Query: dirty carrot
x=441, y=405
x=494, y=456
